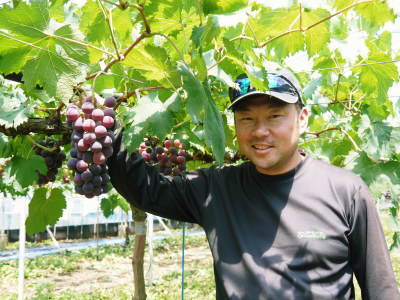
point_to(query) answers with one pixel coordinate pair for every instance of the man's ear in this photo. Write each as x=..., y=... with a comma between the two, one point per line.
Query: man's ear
x=303, y=119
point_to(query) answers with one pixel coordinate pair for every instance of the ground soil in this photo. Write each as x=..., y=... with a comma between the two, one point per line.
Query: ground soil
x=112, y=271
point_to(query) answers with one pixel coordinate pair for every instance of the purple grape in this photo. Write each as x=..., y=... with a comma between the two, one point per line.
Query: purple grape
x=109, y=112
x=97, y=147
x=99, y=158
x=78, y=179
x=105, y=188
x=82, y=146
x=87, y=176
x=108, y=121
x=108, y=151
x=173, y=150
x=73, y=152
x=78, y=124
x=97, y=180
x=89, y=125
x=106, y=141
x=87, y=156
x=49, y=161
x=81, y=166
x=97, y=191
x=89, y=138
x=88, y=188
x=97, y=115
x=72, y=114
x=96, y=169
x=100, y=131
x=87, y=107
x=110, y=102
x=159, y=150
x=76, y=136
x=79, y=190
x=105, y=177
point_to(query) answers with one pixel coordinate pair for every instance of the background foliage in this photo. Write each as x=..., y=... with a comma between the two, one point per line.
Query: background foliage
x=171, y=62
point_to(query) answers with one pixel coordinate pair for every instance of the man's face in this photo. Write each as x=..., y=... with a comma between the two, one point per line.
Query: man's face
x=268, y=134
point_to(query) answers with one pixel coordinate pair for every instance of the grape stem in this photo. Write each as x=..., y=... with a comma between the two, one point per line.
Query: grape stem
x=125, y=97
x=317, y=134
x=41, y=146
x=78, y=43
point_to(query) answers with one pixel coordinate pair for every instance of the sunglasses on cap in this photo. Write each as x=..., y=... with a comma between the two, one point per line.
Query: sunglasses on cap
x=278, y=87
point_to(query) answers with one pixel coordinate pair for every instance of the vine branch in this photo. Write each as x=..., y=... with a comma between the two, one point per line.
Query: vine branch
x=109, y=24
x=314, y=24
x=47, y=126
x=318, y=133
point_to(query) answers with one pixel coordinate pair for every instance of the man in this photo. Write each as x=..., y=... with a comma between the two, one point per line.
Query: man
x=281, y=226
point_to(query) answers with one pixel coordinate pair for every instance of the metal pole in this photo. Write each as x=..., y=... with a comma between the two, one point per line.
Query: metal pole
x=21, y=259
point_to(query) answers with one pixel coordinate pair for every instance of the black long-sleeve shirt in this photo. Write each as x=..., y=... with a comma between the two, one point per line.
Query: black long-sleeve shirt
x=299, y=235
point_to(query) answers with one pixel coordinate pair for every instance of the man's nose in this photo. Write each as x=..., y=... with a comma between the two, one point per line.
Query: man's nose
x=261, y=129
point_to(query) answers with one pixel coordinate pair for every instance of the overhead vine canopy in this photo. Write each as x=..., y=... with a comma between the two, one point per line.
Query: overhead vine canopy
x=171, y=63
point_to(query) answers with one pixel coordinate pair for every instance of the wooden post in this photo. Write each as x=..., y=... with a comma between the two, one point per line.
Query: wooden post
x=138, y=254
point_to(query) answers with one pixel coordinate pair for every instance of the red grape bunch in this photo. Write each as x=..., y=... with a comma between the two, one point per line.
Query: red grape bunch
x=53, y=159
x=170, y=158
x=91, y=139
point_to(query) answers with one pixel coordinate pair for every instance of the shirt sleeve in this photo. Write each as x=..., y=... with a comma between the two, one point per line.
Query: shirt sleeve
x=178, y=197
x=369, y=252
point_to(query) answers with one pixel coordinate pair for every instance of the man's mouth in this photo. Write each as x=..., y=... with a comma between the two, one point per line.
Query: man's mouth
x=261, y=147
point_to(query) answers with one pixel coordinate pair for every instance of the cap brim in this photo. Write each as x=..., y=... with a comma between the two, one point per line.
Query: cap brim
x=280, y=96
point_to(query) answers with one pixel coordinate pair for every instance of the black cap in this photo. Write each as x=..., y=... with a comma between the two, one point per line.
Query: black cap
x=282, y=85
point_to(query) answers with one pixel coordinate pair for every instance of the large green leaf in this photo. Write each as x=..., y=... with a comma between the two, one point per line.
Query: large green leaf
x=14, y=107
x=51, y=71
x=376, y=12
x=109, y=204
x=25, y=171
x=26, y=21
x=150, y=116
x=198, y=99
x=45, y=208
x=223, y=6
x=153, y=60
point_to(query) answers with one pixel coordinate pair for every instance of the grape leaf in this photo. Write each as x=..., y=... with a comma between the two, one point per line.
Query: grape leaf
x=47, y=69
x=199, y=98
x=216, y=70
x=45, y=209
x=147, y=115
x=24, y=171
x=377, y=78
x=155, y=61
x=112, y=202
x=14, y=107
x=26, y=21
x=376, y=12
x=222, y=6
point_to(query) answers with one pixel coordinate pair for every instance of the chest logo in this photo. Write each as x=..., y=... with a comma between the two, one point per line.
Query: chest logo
x=318, y=235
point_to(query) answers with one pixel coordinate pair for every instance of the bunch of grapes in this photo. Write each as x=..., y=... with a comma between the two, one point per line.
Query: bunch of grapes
x=53, y=159
x=170, y=158
x=92, y=138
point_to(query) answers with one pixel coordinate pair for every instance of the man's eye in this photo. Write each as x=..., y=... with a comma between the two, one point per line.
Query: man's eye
x=276, y=116
x=247, y=119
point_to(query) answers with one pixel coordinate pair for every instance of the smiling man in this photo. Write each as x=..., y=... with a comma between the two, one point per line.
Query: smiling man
x=281, y=225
